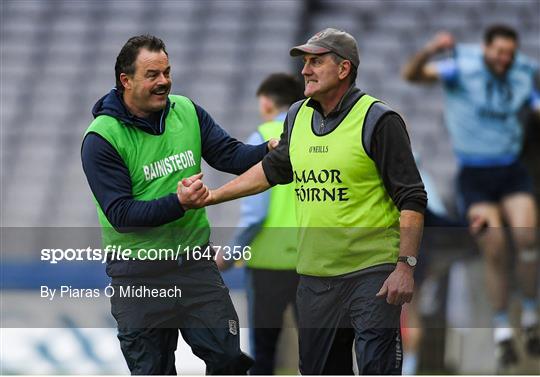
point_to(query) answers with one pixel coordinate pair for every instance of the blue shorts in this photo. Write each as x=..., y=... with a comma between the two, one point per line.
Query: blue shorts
x=491, y=184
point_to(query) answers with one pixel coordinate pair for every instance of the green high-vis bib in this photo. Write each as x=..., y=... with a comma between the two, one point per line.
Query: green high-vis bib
x=347, y=221
x=156, y=163
x=274, y=247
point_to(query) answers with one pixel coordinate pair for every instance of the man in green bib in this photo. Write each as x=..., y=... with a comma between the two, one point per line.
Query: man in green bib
x=141, y=144
x=359, y=207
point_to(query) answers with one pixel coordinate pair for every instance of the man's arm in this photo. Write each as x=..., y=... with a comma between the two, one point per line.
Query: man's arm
x=253, y=209
x=253, y=212
x=110, y=183
x=391, y=151
x=274, y=169
x=417, y=68
x=223, y=152
x=251, y=182
x=411, y=224
x=399, y=286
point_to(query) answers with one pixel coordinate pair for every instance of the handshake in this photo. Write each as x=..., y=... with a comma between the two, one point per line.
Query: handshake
x=193, y=193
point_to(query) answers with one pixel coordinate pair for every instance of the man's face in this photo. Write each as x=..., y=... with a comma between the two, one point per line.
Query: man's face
x=147, y=89
x=321, y=74
x=499, y=54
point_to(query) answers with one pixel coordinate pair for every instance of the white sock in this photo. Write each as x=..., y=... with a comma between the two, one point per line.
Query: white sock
x=502, y=329
x=500, y=334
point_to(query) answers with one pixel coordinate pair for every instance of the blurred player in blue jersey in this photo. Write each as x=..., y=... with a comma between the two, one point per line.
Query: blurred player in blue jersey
x=485, y=89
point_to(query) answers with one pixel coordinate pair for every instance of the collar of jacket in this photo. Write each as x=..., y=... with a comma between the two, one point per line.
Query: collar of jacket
x=348, y=99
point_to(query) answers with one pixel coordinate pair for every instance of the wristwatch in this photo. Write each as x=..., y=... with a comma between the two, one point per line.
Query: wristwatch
x=411, y=261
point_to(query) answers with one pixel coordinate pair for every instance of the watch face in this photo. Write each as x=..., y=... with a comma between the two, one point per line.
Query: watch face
x=411, y=261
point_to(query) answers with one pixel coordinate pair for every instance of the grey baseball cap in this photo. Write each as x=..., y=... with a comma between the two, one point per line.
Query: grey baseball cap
x=330, y=40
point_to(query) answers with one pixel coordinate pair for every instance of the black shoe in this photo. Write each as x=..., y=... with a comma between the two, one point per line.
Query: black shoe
x=532, y=341
x=506, y=355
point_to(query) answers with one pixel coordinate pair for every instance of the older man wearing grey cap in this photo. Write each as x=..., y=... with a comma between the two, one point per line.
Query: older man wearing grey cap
x=359, y=206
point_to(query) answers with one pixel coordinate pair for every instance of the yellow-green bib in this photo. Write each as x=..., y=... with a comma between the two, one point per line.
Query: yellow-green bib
x=347, y=221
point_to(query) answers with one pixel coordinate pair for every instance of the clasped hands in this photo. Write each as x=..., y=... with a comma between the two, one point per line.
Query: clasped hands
x=193, y=193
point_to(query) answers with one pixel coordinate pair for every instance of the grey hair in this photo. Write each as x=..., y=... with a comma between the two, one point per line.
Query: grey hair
x=352, y=74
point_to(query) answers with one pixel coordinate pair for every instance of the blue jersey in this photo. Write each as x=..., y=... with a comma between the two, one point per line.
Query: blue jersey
x=481, y=109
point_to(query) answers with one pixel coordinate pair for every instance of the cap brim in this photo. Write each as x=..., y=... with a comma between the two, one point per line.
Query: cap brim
x=307, y=49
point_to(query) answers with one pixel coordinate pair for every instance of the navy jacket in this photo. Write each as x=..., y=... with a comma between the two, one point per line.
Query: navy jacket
x=109, y=178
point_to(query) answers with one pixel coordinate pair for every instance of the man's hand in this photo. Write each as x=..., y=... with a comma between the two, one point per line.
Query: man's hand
x=398, y=287
x=272, y=144
x=192, y=192
x=417, y=68
x=440, y=42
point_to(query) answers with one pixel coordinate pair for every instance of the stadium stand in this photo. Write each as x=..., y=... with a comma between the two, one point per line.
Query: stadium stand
x=58, y=58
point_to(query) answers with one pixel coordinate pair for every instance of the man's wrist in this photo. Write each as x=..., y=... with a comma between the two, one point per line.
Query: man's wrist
x=400, y=266
x=407, y=261
x=182, y=207
x=214, y=197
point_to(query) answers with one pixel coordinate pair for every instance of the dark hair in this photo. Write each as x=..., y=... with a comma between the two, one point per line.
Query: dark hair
x=282, y=88
x=499, y=30
x=125, y=61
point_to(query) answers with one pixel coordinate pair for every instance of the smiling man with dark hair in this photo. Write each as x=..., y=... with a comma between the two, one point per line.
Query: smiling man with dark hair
x=141, y=144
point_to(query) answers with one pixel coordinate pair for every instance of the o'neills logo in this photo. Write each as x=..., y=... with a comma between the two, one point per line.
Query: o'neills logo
x=318, y=149
x=325, y=182
x=168, y=165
